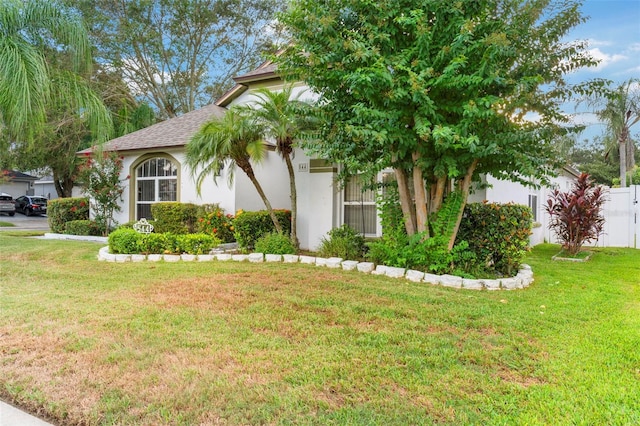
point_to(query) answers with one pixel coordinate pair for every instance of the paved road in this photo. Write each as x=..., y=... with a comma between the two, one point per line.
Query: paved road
x=24, y=223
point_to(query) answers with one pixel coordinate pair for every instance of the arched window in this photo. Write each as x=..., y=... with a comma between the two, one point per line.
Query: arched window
x=156, y=180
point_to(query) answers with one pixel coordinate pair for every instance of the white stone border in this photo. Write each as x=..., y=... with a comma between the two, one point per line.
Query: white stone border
x=523, y=279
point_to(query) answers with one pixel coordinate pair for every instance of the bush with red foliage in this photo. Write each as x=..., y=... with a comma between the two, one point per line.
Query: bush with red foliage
x=576, y=216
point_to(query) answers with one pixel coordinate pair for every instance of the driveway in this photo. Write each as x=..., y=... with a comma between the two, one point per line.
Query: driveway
x=24, y=223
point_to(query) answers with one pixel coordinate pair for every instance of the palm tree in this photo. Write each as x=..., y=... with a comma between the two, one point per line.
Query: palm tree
x=620, y=110
x=30, y=31
x=232, y=140
x=281, y=118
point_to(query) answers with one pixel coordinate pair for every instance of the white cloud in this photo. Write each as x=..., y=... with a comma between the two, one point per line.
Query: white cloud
x=594, y=42
x=635, y=47
x=605, y=58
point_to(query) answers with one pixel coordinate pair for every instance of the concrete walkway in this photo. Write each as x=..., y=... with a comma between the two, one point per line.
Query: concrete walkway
x=12, y=416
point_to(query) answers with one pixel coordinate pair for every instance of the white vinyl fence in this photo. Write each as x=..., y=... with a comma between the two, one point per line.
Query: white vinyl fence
x=622, y=218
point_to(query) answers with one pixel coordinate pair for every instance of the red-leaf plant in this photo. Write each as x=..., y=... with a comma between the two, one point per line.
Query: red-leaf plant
x=576, y=216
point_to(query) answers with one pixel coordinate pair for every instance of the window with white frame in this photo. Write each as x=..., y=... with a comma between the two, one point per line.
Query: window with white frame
x=533, y=204
x=359, y=206
x=156, y=180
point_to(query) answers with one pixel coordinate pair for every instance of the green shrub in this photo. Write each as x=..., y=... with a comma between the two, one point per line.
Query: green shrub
x=82, y=227
x=213, y=221
x=249, y=226
x=344, y=242
x=275, y=243
x=498, y=235
x=174, y=217
x=196, y=243
x=124, y=241
x=153, y=243
x=63, y=210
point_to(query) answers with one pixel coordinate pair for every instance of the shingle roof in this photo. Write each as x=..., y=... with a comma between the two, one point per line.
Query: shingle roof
x=17, y=176
x=173, y=132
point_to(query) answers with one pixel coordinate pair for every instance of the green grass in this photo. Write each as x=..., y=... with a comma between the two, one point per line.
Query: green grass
x=90, y=342
x=5, y=224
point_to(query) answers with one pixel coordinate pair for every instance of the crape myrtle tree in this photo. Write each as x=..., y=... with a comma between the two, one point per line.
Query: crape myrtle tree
x=439, y=91
x=179, y=55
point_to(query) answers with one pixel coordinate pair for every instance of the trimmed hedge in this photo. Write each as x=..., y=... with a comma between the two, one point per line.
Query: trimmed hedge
x=174, y=217
x=249, y=226
x=83, y=227
x=498, y=234
x=63, y=210
x=128, y=241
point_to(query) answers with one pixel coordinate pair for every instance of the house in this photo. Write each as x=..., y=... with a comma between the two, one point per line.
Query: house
x=154, y=164
x=16, y=183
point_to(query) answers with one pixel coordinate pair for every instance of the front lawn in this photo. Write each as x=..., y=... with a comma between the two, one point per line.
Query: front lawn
x=88, y=342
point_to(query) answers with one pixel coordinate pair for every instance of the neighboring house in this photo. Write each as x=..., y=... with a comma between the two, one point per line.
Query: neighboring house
x=154, y=164
x=45, y=187
x=16, y=183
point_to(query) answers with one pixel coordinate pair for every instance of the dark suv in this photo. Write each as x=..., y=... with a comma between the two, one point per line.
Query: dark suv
x=31, y=204
x=7, y=205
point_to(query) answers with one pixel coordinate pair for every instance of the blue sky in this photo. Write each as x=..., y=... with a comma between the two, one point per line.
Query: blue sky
x=613, y=31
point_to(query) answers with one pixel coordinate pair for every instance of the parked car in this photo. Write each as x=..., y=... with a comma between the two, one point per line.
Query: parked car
x=7, y=205
x=30, y=204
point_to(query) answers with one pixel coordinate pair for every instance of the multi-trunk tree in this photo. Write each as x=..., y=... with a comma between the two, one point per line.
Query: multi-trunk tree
x=439, y=91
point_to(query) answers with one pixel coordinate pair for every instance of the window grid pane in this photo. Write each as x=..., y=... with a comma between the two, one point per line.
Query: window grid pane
x=361, y=218
x=167, y=190
x=150, y=186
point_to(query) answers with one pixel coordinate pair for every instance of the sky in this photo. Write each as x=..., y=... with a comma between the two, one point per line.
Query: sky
x=613, y=31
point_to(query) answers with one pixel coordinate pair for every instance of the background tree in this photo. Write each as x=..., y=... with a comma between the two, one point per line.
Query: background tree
x=178, y=54
x=29, y=30
x=282, y=117
x=439, y=91
x=226, y=142
x=619, y=109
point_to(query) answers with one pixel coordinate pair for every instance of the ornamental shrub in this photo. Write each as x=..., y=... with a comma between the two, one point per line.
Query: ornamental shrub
x=275, y=243
x=83, y=227
x=249, y=226
x=497, y=234
x=63, y=210
x=576, y=216
x=344, y=242
x=212, y=220
x=124, y=241
x=174, y=217
x=196, y=243
x=153, y=243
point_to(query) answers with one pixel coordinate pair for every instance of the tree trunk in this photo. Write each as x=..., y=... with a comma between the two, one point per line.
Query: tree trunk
x=464, y=189
x=252, y=177
x=64, y=186
x=422, y=219
x=294, y=201
x=622, y=149
x=404, y=192
x=436, y=201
